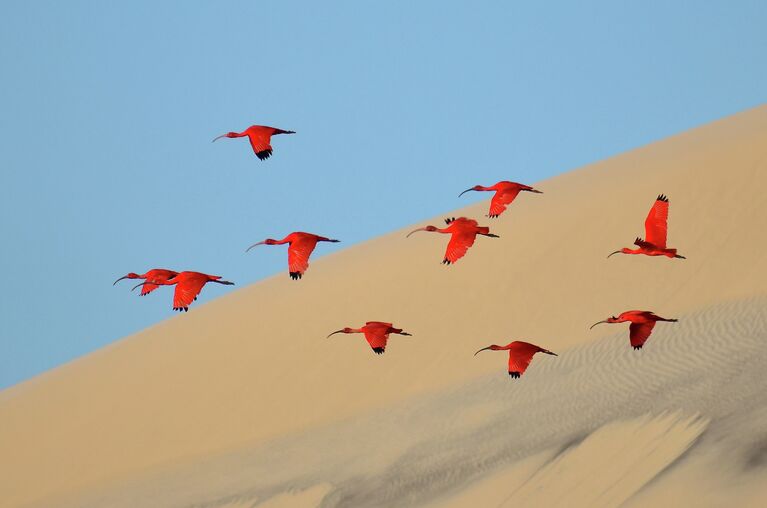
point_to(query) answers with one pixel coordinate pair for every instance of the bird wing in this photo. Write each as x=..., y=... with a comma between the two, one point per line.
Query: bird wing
x=147, y=288
x=376, y=336
x=501, y=200
x=298, y=254
x=639, y=332
x=520, y=356
x=187, y=291
x=458, y=245
x=259, y=140
x=656, y=224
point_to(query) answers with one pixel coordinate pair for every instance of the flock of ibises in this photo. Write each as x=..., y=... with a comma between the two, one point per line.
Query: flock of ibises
x=463, y=232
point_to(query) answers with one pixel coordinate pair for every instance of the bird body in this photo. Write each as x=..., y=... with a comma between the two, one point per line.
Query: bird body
x=301, y=246
x=188, y=286
x=463, y=232
x=153, y=278
x=642, y=324
x=520, y=355
x=260, y=137
x=376, y=333
x=505, y=193
x=656, y=231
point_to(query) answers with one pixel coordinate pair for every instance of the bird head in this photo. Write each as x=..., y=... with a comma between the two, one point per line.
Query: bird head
x=427, y=228
x=475, y=188
x=129, y=276
x=611, y=319
x=268, y=241
x=227, y=135
x=342, y=330
x=624, y=250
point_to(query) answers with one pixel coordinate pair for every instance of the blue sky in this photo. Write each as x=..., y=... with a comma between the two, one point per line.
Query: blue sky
x=108, y=109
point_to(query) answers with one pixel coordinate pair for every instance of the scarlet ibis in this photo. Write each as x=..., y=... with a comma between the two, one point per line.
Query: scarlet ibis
x=642, y=323
x=464, y=231
x=520, y=355
x=260, y=137
x=188, y=286
x=301, y=247
x=376, y=333
x=505, y=193
x=152, y=277
x=656, y=228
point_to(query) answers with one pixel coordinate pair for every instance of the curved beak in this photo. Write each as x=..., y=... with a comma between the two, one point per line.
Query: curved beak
x=218, y=137
x=118, y=280
x=415, y=231
x=254, y=245
x=616, y=252
x=597, y=323
x=338, y=331
x=549, y=352
x=488, y=347
x=464, y=192
x=139, y=285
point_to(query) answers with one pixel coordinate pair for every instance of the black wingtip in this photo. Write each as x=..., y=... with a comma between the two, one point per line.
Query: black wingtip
x=449, y=220
x=378, y=350
x=514, y=374
x=637, y=348
x=295, y=275
x=263, y=155
x=662, y=197
x=446, y=261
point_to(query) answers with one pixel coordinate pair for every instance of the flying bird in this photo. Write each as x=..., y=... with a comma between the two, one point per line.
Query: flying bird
x=520, y=355
x=464, y=231
x=260, y=137
x=301, y=247
x=642, y=323
x=188, y=286
x=656, y=229
x=376, y=333
x=505, y=193
x=153, y=279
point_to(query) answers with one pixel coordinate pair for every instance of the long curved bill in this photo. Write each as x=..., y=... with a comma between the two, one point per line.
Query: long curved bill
x=415, y=231
x=549, y=352
x=597, y=323
x=121, y=278
x=143, y=284
x=464, y=192
x=484, y=348
x=254, y=245
x=616, y=252
x=218, y=137
x=338, y=331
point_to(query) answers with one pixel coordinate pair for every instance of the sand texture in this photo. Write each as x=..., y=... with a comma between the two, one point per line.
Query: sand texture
x=243, y=402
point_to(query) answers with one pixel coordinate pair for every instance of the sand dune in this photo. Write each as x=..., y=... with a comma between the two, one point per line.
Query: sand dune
x=243, y=401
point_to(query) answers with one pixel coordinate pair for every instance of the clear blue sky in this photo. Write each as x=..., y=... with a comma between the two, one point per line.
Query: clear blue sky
x=108, y=109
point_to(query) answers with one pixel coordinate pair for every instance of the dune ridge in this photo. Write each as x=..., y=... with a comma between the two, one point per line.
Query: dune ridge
x=232, y=401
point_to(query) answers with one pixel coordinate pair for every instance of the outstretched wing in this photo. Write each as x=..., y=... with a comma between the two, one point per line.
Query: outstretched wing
x=639, y=332
x=656, y=224
x=520, y=356
x=147, y=288
x=458, y=245
x=186, y=292
x=377, y=338
x=259, y=140
x=500, y=201
x=298, y=255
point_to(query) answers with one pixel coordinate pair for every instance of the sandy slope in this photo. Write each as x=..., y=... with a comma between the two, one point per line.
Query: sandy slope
x=243, y=399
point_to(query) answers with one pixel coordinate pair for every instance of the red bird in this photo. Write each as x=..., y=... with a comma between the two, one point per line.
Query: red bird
x=301, y=247
x=376, y=333
x=520, y=355
x=259, y=136
x=464, y=231
x=188, y=286
x=505, y=193
x=656, y=228
x=153, y=279
x=642, y=323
